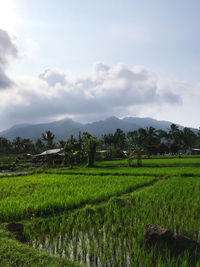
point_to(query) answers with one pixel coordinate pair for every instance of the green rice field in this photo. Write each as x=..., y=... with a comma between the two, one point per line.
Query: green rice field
x=97, y=216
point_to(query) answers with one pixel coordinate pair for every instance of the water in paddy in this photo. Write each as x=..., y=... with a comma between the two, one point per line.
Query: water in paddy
x=93, y=247
x=96, y=239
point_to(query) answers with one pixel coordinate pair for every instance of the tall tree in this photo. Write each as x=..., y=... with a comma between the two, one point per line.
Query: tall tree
x=108, y=140
x=5, y=146
x=90, y=144
x=148, y=139
x=28, y=146
x=163, y=136
x=175, y=134
x=17, y=145
x=133, y=139
x=39, y=146
x=119, y=139
x=61, y=144
x=71, y=149
x=48, y=137
x=188, y=138
x=136, y=153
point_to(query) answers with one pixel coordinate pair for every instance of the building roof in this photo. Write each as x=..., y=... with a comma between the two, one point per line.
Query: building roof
x=57, y=151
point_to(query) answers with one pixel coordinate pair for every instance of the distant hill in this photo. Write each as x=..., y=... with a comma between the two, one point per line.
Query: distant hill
x=67, y=127
x=147, y=122
x=61, y=129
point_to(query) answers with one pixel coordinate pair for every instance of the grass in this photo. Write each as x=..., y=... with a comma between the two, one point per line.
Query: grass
x=44, y=194
x=117, y=228
x=15, y=254
x=156, y=162
x=137, y=171
x=124, y=199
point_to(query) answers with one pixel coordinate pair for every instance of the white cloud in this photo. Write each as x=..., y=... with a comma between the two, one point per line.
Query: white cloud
x=53, y=77
x=106, y=91
x=8, y=51
x=100, y=67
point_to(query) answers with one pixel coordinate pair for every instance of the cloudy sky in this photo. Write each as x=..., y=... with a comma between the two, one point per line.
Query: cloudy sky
x=89, y=60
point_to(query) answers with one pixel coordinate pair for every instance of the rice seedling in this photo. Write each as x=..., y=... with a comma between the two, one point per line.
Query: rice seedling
x=44, y=194
x=115, y=237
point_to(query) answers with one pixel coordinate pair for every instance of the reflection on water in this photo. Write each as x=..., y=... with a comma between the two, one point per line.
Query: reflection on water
x=94, y=248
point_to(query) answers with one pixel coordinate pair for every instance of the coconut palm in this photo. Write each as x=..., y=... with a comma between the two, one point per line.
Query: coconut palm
x=90, y=144
x=188, y=138
x=148, y=138
x=48, y=136
x=39, y=146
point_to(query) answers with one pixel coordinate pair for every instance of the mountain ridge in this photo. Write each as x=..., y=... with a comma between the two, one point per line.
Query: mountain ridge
x=63, y=129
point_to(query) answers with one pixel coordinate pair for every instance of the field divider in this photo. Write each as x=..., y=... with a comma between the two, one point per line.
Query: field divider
x=104, y=201
x=123, y=174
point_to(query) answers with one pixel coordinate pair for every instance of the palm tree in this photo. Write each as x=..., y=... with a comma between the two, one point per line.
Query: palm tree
x=133, y=138
x=17, y=145
x=5, y=145
x=108, y=140
x=119, y=139
x=28, y=146
x=174, y=133
x=48, y=137
x=39, y=146
x=61, y=144
x=71, y=151
x=188, y=138
x=175, y=137
x=148, y=139
x=163, y=136
x=90, y=144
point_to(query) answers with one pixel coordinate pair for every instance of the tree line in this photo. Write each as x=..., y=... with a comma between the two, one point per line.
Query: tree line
x=149, y=140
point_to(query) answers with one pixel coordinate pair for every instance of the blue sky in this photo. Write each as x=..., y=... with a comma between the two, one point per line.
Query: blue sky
x=67, y=38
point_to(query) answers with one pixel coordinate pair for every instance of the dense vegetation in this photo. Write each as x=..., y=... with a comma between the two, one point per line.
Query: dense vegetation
x=148, y=141
x=113, y=235
x=45, y=194
x=98, y=215
x=15, y=254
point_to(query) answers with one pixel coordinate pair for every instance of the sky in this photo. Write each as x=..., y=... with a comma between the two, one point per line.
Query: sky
x=90, y=60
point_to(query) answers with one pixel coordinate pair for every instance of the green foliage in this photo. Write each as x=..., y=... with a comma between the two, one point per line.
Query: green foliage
x=118, y=202
x=48, y=137
x=15, y=254
x=90, y=144
x=71, y=150
x=44, y=194
x=113, y=153
x=116, y=140
x=113, y=233
x=151, y=140
x=39, y=146
x=157, y=162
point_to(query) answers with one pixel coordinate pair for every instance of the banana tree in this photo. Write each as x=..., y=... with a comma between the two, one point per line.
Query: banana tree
x=71, y=151
x=136, y=152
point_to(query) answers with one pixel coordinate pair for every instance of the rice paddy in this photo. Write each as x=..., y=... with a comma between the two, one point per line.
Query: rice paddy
x=113, y=236
x=45, y=194
x=97, y=216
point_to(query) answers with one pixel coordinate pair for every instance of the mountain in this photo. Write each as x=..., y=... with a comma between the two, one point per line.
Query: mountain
x=67, y=127
x=147, y=122
x=62, y=129
x=109, y=126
